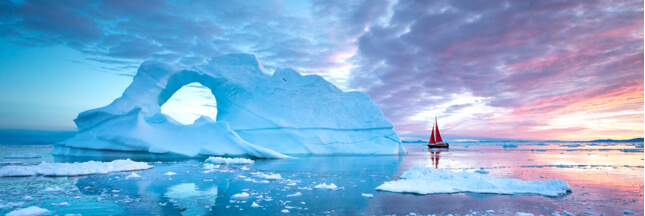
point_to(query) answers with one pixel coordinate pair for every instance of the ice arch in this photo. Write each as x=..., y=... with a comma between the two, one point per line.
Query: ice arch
x=189, y=103
x=259, y=115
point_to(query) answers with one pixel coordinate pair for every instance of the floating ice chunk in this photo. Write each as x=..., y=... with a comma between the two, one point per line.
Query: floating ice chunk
x=285, y=211
x=425, y=180
x=221, y=160
x=367, y=195
x=523, y=214
x=628, y=212
x=55, y=189
x=255, y=205
x=490, y=211
x=331, y=186
x=242, y=195
x=133, y=175
x=23, y=155
x=591, y=213
x=170, y=173
x=73, y=169
x=296, y=194
x=28, y=198
x=271, y=176
x=30, y=211
x=482, y=171
x=60, y=204
x=567, y=213
x=11, y=205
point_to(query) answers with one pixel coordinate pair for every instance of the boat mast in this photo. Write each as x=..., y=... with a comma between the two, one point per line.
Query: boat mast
x=432, y=141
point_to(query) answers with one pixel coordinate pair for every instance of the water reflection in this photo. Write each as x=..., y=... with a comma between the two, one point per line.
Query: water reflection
x=434, y=156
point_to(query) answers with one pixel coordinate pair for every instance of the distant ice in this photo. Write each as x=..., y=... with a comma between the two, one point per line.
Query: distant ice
x=506, y=145
x=23, y=155
x=60, y=204
x=30, y=211
x=170, y=173
x=523, y=214
x=367, y=195
x=73, y=169
x=54, y=189
x=221, y=160
x=425, y=180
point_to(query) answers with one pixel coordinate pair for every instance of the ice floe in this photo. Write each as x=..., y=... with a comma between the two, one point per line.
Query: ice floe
x=30, y=211
x=425, y=180
x=73, y=169
x=221, y=160
x=330, y=186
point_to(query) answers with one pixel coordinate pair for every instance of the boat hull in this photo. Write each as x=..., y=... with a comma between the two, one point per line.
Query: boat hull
x=442, y=145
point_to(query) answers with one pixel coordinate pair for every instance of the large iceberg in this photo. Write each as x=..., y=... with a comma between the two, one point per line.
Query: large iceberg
x=259, y=115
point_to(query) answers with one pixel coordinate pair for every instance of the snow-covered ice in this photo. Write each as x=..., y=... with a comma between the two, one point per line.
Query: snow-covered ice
x=73, y=169
x=426, y=180
x=30, y=211
x=221, y=160
x=259, y=115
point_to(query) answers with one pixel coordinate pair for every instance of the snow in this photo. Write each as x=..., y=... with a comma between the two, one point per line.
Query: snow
x=259, y=115
x=24, y=155
x=331, y=186
x=221, y=160
x=133, y=175
x=30, y=211
x=367, y=195
x=426, y=180
x=73, y=169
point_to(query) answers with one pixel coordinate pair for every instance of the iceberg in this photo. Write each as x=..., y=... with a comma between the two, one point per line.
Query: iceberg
x=259, y=115
x=426, y=180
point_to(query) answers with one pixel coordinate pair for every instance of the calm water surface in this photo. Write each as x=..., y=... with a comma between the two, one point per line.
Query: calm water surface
x=606, y=178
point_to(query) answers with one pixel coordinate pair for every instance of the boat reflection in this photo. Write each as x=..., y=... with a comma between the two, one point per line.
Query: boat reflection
x=434, y=156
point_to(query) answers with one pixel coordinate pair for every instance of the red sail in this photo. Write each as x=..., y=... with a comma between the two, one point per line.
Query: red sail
x=432, y=136
x=438, y=139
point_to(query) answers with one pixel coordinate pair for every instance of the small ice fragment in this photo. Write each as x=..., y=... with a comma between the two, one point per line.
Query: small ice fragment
x=255, y=205
x=170, y=173
x=628, y=212
x=295, y=194
x=490, y=211
x=482, y=171
x=33, y=210
x=591, y=213
x=331, y=186
x=56, y=189
x=28, y=198
x=60, y=204
x=567, y=213
x=523, y=214
x=285, y=211
x=367, y=195
x=270, y=176
x=133, y=175
x=242, y=195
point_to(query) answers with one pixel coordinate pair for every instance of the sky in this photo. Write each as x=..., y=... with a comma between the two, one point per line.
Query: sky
x=536, y=70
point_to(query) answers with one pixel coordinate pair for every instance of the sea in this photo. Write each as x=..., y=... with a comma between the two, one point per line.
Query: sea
x=606, y=179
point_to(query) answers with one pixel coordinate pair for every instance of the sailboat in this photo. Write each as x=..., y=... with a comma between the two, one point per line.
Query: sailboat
x=436, y=141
